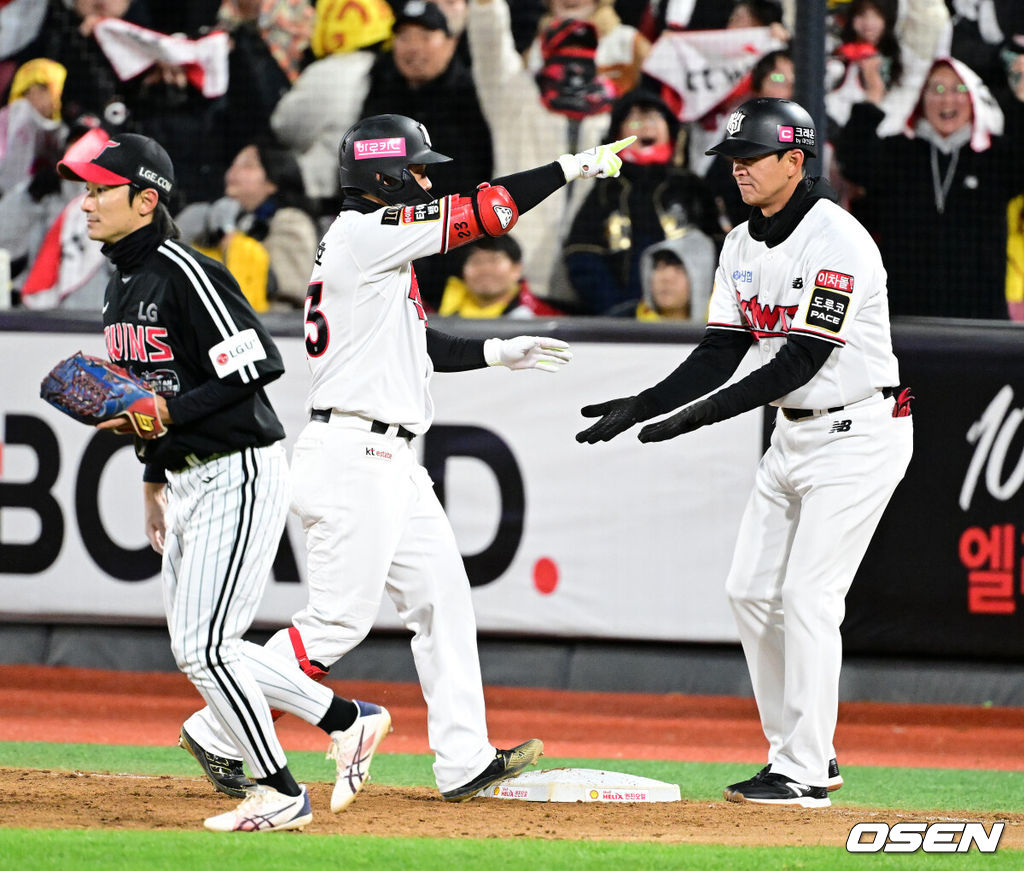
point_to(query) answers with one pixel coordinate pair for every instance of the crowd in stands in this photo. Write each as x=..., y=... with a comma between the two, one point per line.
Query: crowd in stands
x=924, y=104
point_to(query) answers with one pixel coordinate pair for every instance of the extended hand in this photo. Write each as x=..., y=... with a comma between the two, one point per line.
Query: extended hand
x=617, y=415
x=690, y=418
x=528, y=352
x=602, y=161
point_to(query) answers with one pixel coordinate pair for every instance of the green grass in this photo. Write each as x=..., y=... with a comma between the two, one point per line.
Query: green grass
x=99, y=850
x=153, y=851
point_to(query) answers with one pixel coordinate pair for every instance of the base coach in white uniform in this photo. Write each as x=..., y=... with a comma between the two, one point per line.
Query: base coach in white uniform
x=372, y=519
x=804, y=282
x=216, y=484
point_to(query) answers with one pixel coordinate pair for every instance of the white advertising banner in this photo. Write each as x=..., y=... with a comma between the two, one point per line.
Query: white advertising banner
x=618, y=540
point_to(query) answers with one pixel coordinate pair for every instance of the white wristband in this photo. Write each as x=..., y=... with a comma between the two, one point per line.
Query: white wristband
x=570, y=167
x=492, y=352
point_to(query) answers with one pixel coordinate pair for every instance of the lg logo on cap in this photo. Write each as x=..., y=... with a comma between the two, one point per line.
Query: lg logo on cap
x=154, y=177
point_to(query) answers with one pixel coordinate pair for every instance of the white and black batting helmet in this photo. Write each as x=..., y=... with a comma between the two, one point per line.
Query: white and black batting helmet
x=375, y=156
x=768, y=125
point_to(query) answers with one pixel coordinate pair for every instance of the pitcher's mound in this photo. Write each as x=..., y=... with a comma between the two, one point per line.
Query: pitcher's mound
x=582, y=784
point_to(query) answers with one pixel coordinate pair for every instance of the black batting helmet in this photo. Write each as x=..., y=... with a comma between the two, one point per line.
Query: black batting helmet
x=376, y=153
x=765, y=126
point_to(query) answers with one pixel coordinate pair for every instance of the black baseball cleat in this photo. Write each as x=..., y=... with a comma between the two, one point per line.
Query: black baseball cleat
x=506, y=764
x=835, y=779
x=226, y=775
x=772, y=788
x=834, y=782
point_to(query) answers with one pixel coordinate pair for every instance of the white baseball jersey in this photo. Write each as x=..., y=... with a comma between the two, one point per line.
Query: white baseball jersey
x=365, y=325
x=824, y=280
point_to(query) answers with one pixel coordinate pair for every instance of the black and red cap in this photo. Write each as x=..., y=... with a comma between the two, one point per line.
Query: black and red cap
x=124, y=159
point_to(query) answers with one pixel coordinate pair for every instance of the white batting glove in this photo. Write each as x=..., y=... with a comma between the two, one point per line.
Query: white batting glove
x=602, y=161
x=527, y=352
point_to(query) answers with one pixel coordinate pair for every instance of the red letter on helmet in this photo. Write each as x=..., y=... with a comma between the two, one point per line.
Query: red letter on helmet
x=490, y=211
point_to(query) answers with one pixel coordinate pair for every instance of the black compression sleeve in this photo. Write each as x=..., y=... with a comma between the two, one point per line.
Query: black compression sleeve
x=709, y=366
x=453, y=353
x=530, y=187
x=207, y=398
x=792, y=367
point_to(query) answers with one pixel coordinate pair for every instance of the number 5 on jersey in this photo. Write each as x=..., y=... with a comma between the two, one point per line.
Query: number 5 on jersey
x=318, y=334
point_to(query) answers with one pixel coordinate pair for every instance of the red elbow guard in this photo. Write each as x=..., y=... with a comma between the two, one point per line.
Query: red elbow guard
x=490, y=211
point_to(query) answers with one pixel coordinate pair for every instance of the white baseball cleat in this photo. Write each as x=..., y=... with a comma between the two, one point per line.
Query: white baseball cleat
x=353, y=749
x=265, y=810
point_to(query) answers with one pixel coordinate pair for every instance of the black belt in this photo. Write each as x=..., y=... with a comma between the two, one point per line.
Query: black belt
x=323, y=415
x=801, y=413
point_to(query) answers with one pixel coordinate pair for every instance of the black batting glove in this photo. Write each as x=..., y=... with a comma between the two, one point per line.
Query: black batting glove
x=617, y=415
x=690, y=418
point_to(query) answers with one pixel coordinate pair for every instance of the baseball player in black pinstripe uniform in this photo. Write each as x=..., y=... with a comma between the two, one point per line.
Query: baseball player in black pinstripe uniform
x=216, y=484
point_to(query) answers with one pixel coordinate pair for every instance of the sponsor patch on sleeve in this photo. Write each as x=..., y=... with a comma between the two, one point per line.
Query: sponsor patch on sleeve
x=391, y=216
x=827, y=310
x=422, y=212
x=237, y=351
x=830, y=280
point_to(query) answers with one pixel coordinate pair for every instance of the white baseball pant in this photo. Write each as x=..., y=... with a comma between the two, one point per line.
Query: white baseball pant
x=819, y=493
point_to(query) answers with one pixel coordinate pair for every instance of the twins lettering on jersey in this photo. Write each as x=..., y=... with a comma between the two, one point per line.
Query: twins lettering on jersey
x=137, y=342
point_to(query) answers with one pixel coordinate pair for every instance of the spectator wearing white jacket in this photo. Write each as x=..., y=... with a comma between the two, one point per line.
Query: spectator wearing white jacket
x=526, y=132
x=326, y=99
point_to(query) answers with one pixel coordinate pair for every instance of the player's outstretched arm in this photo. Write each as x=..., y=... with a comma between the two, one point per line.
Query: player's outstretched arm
x=528, y=352
x=617, y=415
x=601, y=161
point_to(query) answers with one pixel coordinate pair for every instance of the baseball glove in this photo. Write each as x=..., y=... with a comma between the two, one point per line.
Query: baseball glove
x=92, y=390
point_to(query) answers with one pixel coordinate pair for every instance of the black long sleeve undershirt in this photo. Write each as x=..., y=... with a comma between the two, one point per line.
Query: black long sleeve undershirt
x=795, y=364
x=531, y=186
x=709, y=366
x=454, y=353
x=718, y=356
x=208, y=397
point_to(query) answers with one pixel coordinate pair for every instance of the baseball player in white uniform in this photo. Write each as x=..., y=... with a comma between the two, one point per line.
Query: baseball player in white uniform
x=372, y=519
x=216, y=483
x=804, y=281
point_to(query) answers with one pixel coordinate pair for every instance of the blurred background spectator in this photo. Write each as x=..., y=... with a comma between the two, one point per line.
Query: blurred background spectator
x=883, y=54
x=327, y=98
x=1015, y=258
x=677, y=276
x=264, y=203
x=981, y=30
x=936, y=192
x=620, y=51
x=31, y=132
x=162, y=101
x=63, y=267
x=652, y=199
x=268, y=40
x=530, y=127
x=20, y=21
x=491, y=284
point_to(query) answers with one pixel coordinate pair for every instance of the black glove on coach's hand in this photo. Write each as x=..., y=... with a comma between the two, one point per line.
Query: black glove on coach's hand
x=617, y=415
x=690, y=418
